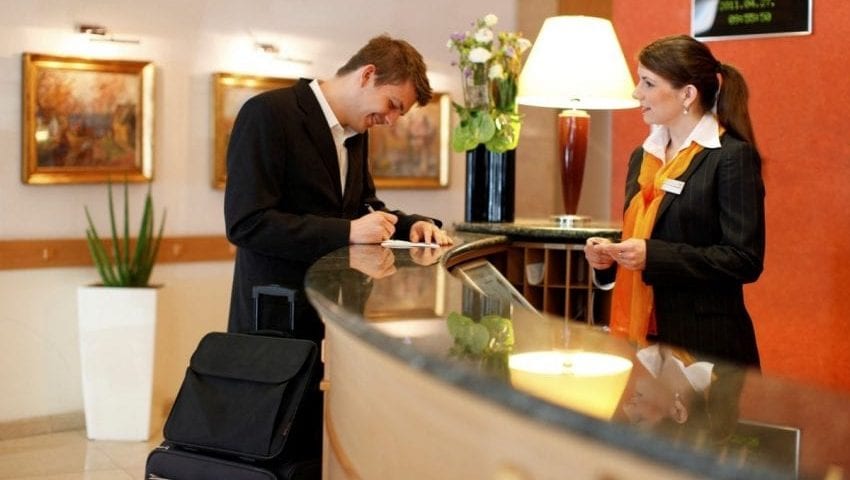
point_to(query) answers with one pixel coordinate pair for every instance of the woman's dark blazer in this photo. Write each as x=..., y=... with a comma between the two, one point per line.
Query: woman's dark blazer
x=283, y=205
x=706, y=243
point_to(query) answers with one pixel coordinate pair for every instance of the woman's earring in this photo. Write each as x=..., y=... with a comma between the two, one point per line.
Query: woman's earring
x=684, y=110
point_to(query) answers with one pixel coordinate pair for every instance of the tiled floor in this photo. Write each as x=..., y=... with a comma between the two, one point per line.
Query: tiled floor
x=70, y=456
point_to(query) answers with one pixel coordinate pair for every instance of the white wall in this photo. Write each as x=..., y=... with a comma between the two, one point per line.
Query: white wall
x=40, y=363
x=188, y=40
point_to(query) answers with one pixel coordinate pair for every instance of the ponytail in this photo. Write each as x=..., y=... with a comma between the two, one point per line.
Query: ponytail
x=732, y=111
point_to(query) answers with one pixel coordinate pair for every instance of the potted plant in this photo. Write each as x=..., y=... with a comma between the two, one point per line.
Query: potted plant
x=117, y=324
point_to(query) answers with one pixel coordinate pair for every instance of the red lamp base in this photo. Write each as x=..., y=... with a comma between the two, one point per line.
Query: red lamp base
x=573, y=126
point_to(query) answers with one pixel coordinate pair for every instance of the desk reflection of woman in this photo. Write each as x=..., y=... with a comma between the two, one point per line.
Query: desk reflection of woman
x=684, y=397
x=693, y=228
x=670, y=388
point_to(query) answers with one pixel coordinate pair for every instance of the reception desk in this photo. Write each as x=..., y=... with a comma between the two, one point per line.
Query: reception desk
x=437, y=366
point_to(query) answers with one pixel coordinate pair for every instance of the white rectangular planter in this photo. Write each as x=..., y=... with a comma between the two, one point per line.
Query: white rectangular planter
x=117, y=328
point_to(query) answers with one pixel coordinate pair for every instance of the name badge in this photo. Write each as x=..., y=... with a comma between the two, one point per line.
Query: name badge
x=673, y=186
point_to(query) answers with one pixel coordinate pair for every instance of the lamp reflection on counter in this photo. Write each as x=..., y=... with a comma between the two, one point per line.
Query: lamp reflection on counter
x=576, y=63
x=588, y=382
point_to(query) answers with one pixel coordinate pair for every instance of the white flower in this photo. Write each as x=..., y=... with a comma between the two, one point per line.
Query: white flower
x=479, y=55
x=490, y=20
x=523, y=44
x=484, y=35
x=495, y=71
x=450, y=44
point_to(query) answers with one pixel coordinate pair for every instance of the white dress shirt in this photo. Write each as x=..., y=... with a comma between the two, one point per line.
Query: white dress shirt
x=339, y=133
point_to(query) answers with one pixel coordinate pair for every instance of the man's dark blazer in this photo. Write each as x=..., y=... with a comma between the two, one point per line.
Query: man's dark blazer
x=706, y=243
x=283, y=204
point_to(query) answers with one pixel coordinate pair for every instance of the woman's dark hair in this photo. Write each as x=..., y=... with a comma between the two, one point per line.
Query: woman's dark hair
x=682, y=60
x=395, y=61
x=712, y=415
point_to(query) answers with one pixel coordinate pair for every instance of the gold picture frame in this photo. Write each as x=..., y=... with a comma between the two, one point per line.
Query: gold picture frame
x=414, y=151
x=230, y=92
x=86, y=120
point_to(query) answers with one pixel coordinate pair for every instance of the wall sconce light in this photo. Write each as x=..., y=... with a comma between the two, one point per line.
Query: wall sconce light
x=98, y=33
x=268, y=48
x=91, y=29
x=273, y=52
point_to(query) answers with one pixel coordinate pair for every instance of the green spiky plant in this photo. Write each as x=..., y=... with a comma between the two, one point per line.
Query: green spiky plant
x=126, y=268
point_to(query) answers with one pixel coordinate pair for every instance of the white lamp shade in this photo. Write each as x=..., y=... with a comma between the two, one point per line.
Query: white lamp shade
x=576, y=62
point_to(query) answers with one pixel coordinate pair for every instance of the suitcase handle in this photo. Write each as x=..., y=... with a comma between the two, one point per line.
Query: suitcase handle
x=276, y=291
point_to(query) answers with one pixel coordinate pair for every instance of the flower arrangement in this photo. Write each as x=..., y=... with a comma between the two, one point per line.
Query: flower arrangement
x=490, y=64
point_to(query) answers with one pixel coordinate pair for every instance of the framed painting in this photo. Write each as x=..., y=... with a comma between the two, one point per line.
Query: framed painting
x=86, y=120
x=413, y=152
x=230, y=92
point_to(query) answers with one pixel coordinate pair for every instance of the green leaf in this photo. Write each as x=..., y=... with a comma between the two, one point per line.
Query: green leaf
x=501, y=332
x=457, y=323
x=125, y=259
x=463, y=139
x=486, y=127
x=477, y=338
x=98, y=252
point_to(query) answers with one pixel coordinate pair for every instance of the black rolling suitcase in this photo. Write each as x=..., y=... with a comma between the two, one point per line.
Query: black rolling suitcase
x=166, y=462
x=241, y=413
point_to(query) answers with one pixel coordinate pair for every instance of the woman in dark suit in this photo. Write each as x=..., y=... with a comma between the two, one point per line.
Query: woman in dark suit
x=693, y=228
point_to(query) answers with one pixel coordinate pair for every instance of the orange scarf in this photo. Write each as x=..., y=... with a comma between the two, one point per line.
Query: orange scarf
x=632, y=304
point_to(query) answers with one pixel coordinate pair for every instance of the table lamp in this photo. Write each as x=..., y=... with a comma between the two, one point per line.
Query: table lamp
x=576, y=63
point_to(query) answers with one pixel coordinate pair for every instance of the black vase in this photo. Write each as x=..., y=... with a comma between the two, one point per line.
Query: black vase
x=490, y=179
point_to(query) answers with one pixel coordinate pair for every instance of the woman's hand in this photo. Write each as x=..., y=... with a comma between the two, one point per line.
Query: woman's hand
x=630, y=254
x=597, y=254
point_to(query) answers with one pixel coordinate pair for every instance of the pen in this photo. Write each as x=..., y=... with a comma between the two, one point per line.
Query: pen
x=369, y=207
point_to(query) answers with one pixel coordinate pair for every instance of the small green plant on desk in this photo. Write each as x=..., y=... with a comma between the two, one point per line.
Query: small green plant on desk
x=488, y=341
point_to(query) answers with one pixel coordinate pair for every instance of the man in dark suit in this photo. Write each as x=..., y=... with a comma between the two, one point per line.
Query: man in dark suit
x=298, y=181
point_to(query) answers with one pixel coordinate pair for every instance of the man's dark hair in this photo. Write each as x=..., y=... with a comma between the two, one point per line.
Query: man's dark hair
x=395, y=61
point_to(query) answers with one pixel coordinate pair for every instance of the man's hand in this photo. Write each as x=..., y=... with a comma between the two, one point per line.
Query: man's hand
x=374, y=227
x=427, y=232
x=426, y=255
x=372, y=260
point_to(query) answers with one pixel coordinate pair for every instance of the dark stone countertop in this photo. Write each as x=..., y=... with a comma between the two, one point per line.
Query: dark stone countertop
x=542, y=230
x=398, y=300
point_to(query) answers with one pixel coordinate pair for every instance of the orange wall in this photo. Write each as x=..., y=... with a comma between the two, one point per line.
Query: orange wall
x=800, y=106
